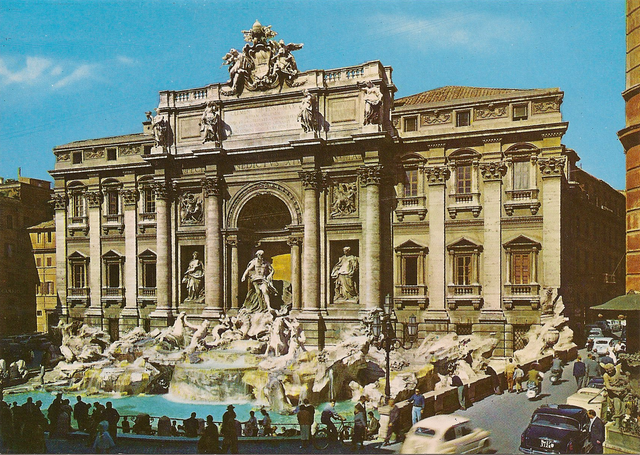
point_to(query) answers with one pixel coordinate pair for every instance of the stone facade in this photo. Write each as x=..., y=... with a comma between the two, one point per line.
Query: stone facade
x=23, y=203
x=420, y=189
x=43, y=247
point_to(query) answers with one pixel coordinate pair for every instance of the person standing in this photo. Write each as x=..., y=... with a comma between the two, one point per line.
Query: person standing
x=251, y=425
x=112, y=416
x=191, y=426
x=305, y=420
x=596, y=431
x=459, y=385
x=418, y=405
x=81, y=413
x=518, y=376
x=359, y=426
x=208, y=442
x=267, y=430
x=579, y=372
x=495, y=381
x=228, y=430
x=103, y=442
x=394, y=423
x=591, y=368
x=508, y=373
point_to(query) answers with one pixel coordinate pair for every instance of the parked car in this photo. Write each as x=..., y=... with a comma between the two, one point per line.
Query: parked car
x=445, y=434
x=557, y=428
x=596, y=383
x=589, y=398
x=602, y=345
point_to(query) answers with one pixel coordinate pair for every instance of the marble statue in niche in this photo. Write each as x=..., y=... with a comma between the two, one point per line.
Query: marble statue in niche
x=194, y=278
x=260, y=273
x=344, y=274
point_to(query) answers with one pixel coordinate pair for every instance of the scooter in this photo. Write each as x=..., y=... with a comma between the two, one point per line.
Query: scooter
x=556, y=376
x=532, y=390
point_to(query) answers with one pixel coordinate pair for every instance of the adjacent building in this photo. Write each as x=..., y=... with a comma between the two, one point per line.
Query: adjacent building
x=456, y=205
x=23, y=203
x=43, y=247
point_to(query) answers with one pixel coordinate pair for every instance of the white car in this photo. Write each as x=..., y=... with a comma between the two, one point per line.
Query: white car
x=588, y=398
x=445, y=434
x=601, y=345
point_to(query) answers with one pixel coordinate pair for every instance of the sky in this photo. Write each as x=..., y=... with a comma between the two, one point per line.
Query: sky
x=85, y=69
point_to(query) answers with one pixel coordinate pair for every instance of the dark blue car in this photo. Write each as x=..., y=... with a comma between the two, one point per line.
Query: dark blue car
x=557, y=428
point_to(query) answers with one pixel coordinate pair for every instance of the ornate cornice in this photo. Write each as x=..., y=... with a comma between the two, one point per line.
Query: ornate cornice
x=437, y=175
x=491, y=140
x=493, y=171
x=129, y=196
x=94, y=198
x=549, y=134
x=370, y=175
x=552, y=166
x=59, y=201
x=212, y=186
x=312, y=179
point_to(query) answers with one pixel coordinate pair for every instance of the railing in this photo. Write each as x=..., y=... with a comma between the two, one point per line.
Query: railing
x=465, y=289
x=147, y=292
x=197, y=94
x=409, y=290
x=411, y=201
x=148, y=217
x=464, y=198
x=113, y=219
x=348, y=73
x=78, y=220
x=522, y=195
x=78, y=292
x=522, y=289
x=112, y=292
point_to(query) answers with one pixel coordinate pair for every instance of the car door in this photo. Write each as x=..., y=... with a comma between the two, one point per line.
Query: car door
x=465, y=438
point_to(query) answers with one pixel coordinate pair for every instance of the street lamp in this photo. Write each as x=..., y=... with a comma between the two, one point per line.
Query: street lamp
x=384, y=335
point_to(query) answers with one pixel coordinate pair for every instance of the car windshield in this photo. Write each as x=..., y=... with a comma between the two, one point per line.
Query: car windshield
x=556, y=421
x=425, y=431
x=602, y=342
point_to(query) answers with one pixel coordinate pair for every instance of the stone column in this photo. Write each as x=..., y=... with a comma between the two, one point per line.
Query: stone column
x=213, y=279
x=94, y=312
x=552, y=170
x=160, y=316
x=311, y=181
x=370, y=266
x=296, y=279
x=492, y=174
x=437, y=177
x=129, y=315
x=60, y=203
x=232, y=242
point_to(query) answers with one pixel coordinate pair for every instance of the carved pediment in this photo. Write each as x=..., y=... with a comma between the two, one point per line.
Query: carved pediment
x=464, y=244
x=522, y=242
x=411, y=246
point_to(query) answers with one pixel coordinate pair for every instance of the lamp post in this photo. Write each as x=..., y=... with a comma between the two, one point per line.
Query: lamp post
x=384, y=336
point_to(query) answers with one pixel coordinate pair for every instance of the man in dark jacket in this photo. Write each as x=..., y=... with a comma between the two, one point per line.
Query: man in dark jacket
x=191, y=426
x=596, y=431
x=394, y=423
x=81, y=413
x=112, y=416
x=591, y=368
x=579, y=372
x=228, y=430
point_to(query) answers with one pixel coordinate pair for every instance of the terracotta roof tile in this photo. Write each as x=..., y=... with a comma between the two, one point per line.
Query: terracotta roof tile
x=453, y=92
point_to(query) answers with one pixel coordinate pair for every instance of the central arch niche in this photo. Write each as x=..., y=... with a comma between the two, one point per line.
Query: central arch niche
x=262, y=225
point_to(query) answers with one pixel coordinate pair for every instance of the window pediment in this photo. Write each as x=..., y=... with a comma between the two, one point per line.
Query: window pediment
x=78, y=256
x=464, y=244
x=463, y=156
x=147, y=254
x=112, y=254
x=522, y=242
x=521, y=150
x=411, y=247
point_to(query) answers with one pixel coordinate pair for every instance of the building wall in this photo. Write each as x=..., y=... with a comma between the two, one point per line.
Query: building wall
x=23, y=202
x=43, y=244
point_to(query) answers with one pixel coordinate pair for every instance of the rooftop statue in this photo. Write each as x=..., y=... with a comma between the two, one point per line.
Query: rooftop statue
x=263, y=64
x=159, y=128
x=372, y=104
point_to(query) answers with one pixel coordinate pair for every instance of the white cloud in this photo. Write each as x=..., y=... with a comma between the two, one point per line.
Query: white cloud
x=125, y=60
x=32, y=72
x=477, y=31
x=81, y=72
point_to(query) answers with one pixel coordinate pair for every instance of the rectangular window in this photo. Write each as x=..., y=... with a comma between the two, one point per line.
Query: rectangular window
x=78, y=278
x=49, y=262
x=521, y=175
x=77, y=203
x=111, y=155
x=113, y=275
x=38, y=238
x=463, y=118
x=463, y=269
x=52, y=290
x=49, y=237
x=520, y=112
x=112, y=203
x=411, y=124
x=463, y=175
x=411, y=183
x=149, y=201
x=77, y=158
x=521, y=268
x=38, y=262
x=149, y=274
x=411, y=270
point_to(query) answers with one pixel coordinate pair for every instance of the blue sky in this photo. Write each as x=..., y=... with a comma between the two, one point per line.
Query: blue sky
x=72, y=70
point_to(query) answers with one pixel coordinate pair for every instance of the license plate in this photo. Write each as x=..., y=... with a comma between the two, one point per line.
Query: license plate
x=546, y=444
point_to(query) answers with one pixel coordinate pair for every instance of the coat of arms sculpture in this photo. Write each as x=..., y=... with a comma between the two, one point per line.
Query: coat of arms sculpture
x=263, y=64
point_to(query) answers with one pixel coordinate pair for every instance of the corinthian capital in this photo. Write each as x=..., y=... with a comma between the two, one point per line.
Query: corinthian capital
x=129, y=196
x=370, y=175
x=212, y=186
x=94, y=198
x=160, y=190
x=311, y=179
x=493, y=171
x=551, y=166
x=437, y=175
x=59, y=201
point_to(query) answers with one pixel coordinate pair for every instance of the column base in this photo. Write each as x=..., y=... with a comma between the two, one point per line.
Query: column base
x=492, y=315
x=212, y=313
x=128, y=319
x=161, y=318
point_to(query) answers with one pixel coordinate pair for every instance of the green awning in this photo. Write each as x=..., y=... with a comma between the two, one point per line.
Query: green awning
x=627, y=302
